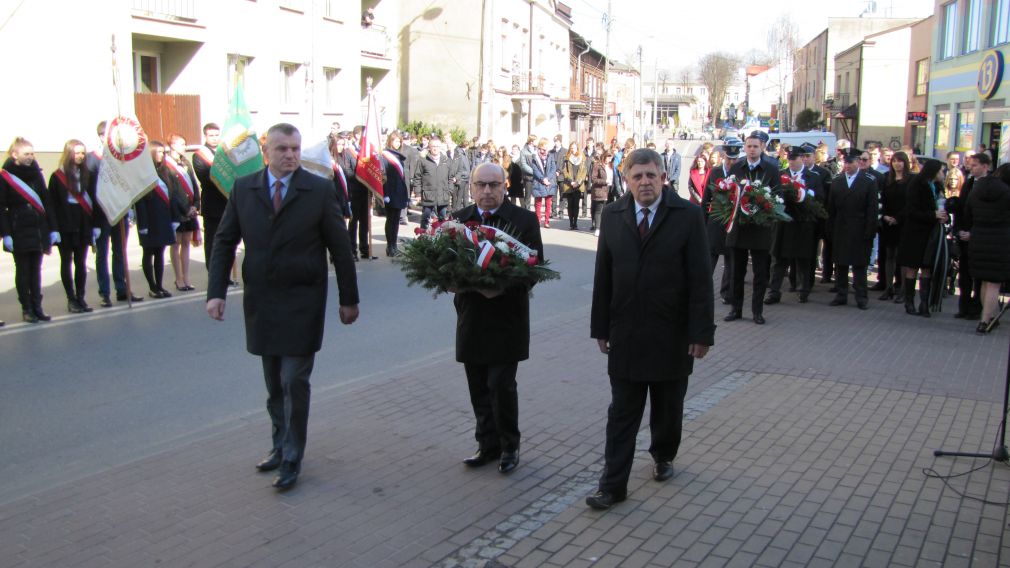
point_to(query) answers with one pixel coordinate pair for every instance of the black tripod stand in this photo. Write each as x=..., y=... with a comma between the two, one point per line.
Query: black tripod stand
x=999, y=452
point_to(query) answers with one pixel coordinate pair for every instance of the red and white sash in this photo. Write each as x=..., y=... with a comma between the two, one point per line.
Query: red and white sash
x=83, y=199
x=206, y=154
x=162, y=191
x=392, y=159
x=338, y=173
x=24, y=190
x=183, y=175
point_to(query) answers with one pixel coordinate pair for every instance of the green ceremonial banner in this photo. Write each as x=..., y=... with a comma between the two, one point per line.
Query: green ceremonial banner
x=239, y=152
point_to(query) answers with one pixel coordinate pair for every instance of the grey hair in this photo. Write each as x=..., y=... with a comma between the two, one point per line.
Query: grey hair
x=642, y=157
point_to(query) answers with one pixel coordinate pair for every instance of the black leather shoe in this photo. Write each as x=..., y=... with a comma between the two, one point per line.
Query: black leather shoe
x=84, y=306
x=759, y=319
x=509, y=461
x=838, y=302
x=663, y=470
x=287, y=476
x=74, y=307
x=271, y=462
x=603, y=500
x=732, y=316
x=771, y=300
x=481, y=457
x=123, y=297
x=42, y=315
x=29, y=317
x=106, y=302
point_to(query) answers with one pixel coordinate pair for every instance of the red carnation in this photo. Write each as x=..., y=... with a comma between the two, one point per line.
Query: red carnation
x=531, y=260
x=418, y=231
x=768, y=206
x=786, y=180
x=744, y=200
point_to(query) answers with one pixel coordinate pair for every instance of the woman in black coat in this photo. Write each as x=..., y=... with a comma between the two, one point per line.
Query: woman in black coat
x=394, y=189
x=514, y=175
x=892, y=206
x=158, y=215
x=920, y=219
x=27, y=224
x=988, y=214
x=188, y=196
x=72, y=203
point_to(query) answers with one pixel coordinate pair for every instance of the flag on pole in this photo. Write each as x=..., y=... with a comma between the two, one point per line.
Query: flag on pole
x=317, y=159
x=239, y=152
x=369, y=169
x=127, y=171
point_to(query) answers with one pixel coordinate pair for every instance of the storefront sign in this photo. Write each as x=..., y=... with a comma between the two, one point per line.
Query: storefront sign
x=990, y=73
x=917, y=117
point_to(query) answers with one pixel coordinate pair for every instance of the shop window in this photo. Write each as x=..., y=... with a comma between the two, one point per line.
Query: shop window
x=965, y=131
x=942, y=138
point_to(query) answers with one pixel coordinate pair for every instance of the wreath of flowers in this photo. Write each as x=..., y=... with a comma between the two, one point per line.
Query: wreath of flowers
x=747, y=203
x=458, y=257
x=805, y=203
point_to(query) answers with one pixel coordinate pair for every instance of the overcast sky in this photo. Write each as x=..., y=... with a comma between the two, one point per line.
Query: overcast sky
x=679, y=32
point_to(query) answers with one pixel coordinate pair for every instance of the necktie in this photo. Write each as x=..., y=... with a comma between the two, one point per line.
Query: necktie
x=277, y=195
x=485, y=217
x=643, y=227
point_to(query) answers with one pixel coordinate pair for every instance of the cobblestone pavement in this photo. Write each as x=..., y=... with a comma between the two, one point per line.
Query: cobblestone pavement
x=805, y=444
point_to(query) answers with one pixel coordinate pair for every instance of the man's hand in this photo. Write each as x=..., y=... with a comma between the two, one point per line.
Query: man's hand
x=964, y=235
x=215, y=309
x=697, y=350
x=604, y=346
x=348, y=314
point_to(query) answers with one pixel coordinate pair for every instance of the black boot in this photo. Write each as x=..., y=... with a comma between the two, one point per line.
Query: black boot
x=924, y=297
x=909, y=289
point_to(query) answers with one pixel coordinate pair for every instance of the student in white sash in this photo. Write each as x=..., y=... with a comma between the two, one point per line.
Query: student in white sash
x=394, y=189
x=27, y=227
x=73, y=205
x=189, y=198
x=158, y=216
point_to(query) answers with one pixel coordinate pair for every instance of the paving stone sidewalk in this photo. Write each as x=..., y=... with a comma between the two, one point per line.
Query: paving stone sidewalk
x=804, y=445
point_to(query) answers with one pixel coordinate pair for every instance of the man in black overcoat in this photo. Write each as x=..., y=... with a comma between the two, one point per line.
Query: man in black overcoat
x=493, y=327
x=749, y=240
x=852, y=218
x=795, y=241
x=288, y=219
x=824, y=175
x=652, y=315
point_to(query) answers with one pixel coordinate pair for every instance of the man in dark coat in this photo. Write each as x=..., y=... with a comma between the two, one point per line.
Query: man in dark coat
x=652, y=315
x=822, y=238
x=749, y=240
x=852, y=217
x=969, y=290
x=715, y=228
x=868, y=162
x=212, y=199
x=411, y=158
x=431, y=181
x=671, y=162
x=493, y=327
x=796, y=240
x=288, y=219
x=459, y=177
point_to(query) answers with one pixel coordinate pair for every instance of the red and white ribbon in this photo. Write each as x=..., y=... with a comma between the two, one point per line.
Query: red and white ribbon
x=486, y=252
x=82, y=199
x=162, y=191
x=24, y=190
x=183, y=176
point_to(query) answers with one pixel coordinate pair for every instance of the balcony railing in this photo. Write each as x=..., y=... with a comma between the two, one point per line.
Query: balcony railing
x=375, y=41
x=836, y=101
x=182, y=10
x=527, y=82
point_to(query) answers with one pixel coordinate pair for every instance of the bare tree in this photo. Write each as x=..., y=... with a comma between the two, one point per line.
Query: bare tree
x=684, y=78
x=664, y=76
x=782, y=42
x=717, y=71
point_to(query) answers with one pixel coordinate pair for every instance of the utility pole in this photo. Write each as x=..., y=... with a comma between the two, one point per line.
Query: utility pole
x=655, y=100
x=641, y=97
x=607, y=21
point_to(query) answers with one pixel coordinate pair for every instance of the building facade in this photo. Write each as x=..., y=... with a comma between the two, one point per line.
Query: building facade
x=916, y=109
x=176, y=61
x=969, y=96
x=878, y=66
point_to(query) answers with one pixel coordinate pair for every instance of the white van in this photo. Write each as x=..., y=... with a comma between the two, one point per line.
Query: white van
x=798, y=138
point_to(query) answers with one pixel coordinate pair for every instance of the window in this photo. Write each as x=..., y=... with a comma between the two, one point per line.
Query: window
x=942, y=140
x=1000, y=22
x=146, y=73
x=289, y=84
x=921, y=77
x=678, y=90
x=965, y=131
x=973, y=26
x=949, y=39
x=330, y=9
x=331, y=93
x=241, y=64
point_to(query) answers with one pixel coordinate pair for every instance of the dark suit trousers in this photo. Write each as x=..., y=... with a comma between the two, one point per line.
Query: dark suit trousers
x=761, y=260
x=666, y=416
x=495, y=399
x=804, y=268
x=358, y=228
x=210, y=225
x=858, y=282
x=726, y=285
x=287, y=380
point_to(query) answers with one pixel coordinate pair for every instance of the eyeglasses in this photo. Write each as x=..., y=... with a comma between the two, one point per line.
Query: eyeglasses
x=486, y=185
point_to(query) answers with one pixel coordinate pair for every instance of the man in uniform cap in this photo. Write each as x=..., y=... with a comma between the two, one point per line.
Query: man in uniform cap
x=852, y=218
x=717, y=229
x=824, y=178
x=795, y=242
